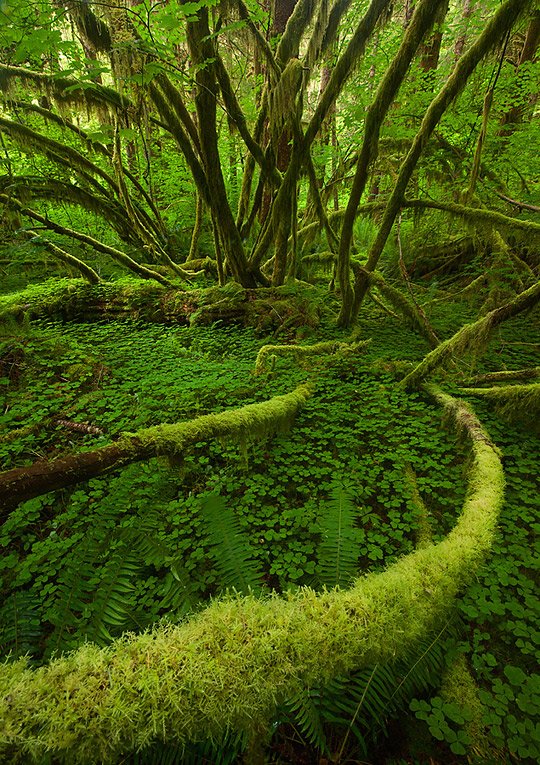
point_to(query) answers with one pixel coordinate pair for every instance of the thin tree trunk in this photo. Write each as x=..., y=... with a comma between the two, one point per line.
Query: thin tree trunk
x=496, y=28
x=420, y=23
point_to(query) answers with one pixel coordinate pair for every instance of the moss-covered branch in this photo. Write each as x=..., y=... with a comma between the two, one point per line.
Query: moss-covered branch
x=497, y=26
x=512, y=400
x=301, y=352
x=29, y=140
x=471, y=336
x=480, y=214
x=58, y=253
x=117, y=255
x=407, y=308
x=504, y=375
x=65, y=90
x=251, y=421
x=226, y=669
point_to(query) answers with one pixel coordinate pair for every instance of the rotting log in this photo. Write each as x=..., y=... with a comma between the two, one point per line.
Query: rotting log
x=265, y=308
x=172, y=440
x=226, y=669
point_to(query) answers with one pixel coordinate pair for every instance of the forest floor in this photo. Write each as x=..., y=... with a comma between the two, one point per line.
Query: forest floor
x=124, y=550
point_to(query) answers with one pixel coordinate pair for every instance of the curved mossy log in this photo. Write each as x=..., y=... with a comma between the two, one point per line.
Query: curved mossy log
x=471, y=336
x=301, y=352
x=172, y=440
x=227, y=668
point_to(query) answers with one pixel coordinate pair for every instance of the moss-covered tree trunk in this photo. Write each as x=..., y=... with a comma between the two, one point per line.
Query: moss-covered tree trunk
x=203, y=55
x=420, y=23
x=497, y=27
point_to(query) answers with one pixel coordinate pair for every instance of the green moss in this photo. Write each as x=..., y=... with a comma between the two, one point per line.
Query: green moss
x=228, y=667
x=516, y=402
x=303, y=352
x=251, y=421
x=459, y=687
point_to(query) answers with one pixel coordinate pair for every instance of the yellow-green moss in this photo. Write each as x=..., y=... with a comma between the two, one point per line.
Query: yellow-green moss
x=459, y=687
x=302, y=352
x=227, y=668
x=251, y=421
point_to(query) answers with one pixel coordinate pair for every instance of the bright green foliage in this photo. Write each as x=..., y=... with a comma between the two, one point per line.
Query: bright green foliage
x=338, y=550
x=233, y=556
x=227, y=667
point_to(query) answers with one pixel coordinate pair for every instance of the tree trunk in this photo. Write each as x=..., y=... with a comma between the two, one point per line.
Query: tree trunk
x=496, y=28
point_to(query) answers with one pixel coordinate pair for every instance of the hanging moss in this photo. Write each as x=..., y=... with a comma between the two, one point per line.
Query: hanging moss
x=29, y=140
x=496, y=27
x=228, y=668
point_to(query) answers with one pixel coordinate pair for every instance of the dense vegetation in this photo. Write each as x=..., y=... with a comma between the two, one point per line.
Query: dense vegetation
x=260, y=266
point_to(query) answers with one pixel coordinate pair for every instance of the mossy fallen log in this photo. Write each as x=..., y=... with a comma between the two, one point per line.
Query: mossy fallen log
x=172, y=440
x=471, y=337
x=503, y=375
x=516, y=402
x=265, y=309
x=305, y=352
x=226, y=669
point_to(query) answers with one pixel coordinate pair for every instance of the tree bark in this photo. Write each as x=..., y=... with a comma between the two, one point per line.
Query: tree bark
x=20, y=484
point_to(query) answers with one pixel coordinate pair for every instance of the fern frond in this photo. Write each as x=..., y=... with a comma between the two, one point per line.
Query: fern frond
x=363, y=702
x=231, y=550
x=74, y=586
x=177, y=590
x=304, y=710
x=20, y=625
x=339, y=546
x=114, y=599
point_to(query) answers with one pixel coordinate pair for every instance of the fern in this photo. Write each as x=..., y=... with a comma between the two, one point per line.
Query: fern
x=75, y=584
x=225, y=752
x=113, y=601
x=20, y=629
x=177, y=590
x=231, y=551
x=363, y=702
x=338, y=549
x=305, y=710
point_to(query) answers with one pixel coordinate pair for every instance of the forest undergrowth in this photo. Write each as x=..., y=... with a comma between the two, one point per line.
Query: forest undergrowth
x=366, y=471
